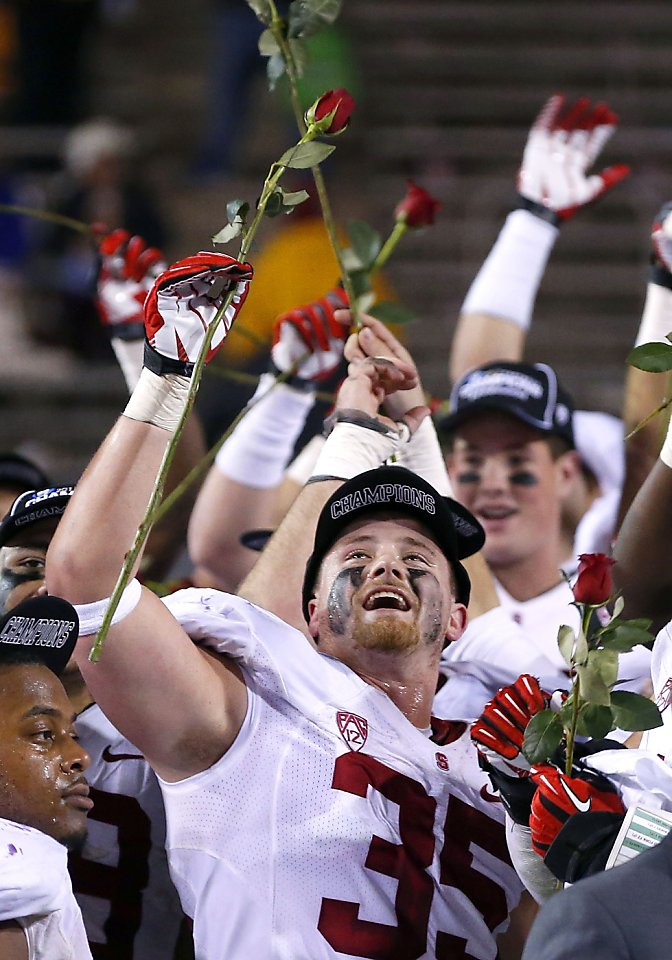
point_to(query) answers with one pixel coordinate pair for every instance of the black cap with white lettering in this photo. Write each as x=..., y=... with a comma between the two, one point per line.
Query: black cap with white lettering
x=529, y=392
x=31, y=507
x=40, y=630
x=397, y=490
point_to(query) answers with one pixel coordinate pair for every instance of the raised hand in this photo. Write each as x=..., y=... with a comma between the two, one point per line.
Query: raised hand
x=128, y=270
x=563, y=143
x=310, y=329
x=182, y=304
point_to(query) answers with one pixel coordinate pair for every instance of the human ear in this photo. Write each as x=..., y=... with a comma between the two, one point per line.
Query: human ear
x=457, y=623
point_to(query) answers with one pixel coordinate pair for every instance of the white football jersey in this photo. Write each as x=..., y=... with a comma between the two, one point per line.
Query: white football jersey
x=332, y=827
x=35, y=891
x=660, y=739
x=535, y=648
x=121, y=880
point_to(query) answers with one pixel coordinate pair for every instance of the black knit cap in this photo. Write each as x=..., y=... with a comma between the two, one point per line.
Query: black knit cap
x=397, y=490
x=529, y=392
x=39, y=630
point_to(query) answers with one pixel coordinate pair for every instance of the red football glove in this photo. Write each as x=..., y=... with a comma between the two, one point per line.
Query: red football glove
x=127, y=271
x=562, y=145
x=311, y=329
x=499, y=731
x=182, y=304
x=558, y=797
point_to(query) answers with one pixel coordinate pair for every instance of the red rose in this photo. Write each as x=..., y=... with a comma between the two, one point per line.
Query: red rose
x=340, y=101
x=418, y=208
x=594, y=584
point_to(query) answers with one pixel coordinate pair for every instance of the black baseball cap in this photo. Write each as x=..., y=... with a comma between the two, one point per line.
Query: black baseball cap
x=31, y=507
x=398, y=490
x=19, y=473
x=39, y=630
x=530, y=392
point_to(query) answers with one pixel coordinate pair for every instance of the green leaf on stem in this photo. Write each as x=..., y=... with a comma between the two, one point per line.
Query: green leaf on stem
x=652, y=357
x=299, y=54
x=392, y=313
x=566, y=638
x=580, y=648
x=351, y=261
x=306, y=155
x=593, y=687
x=275, y=68
x=307, y=17
x=361, y=282
x=274, y=204
x=229, y=232
x=542, y=736
x=366, y=242
x=262, y=9
x=268, y=45
x=618, y=607
x=634, y=712
x=594, y=721
x=622, y=637
x=237, y=210
x=291, y=200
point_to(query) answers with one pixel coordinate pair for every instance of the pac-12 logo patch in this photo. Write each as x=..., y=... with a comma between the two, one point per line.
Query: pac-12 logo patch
x=354, y=729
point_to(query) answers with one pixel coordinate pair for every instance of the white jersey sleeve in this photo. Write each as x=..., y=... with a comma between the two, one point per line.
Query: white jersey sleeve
x=35, y=891
x=332, y=827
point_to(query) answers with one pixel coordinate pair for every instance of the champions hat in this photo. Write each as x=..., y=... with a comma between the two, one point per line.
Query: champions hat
x=31, y=507
x=397, y=490
x=40, y=630
x=529, y=392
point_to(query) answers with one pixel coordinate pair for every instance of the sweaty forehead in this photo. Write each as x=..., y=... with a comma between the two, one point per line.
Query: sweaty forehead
x=27, y=686
x=494, y=429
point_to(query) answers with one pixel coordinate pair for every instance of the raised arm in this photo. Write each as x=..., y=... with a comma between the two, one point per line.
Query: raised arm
x=553, y=184
x=242, y=490
x=360, y=440
x=180, y=706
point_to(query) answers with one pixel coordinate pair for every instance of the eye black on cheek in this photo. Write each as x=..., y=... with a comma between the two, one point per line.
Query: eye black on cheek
x=469, y=476
x=523, y=478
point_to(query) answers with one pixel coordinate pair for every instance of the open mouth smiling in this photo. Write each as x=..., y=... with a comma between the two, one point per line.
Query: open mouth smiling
x=386, y=599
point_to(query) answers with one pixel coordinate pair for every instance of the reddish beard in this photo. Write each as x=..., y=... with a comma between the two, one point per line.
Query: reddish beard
x=386, y=634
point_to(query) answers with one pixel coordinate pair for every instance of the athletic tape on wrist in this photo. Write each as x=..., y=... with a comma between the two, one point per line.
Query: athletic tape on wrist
x=656, y=320
x=351, y=449
x=158, y=400
x=129, y=354
x=257, y=451
x=91, y=614
x=423, y=455
x=507, y=283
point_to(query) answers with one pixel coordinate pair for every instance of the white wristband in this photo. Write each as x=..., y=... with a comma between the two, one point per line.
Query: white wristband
x=351, y=449
x=91, y=614
x=666, y=451
x=656, y=319
x=158, y=400
x=302, y=466
x=129, y=354
x=507, y=283
x=257, y=451
x=423, y=455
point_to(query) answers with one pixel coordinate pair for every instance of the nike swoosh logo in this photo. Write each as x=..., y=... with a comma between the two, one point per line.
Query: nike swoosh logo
x=110, y=757
x=490, y=797
x=583, y=806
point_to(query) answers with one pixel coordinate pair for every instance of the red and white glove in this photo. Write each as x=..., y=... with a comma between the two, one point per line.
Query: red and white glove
x=562, y=145
x=661, y=238
x=558, y=797
x=182, y=304
x=499, y=731
x=310, y=329
x=127, y=272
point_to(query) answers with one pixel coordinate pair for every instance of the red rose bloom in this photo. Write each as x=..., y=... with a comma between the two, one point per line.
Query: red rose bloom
x=418, y=208
x=594, y=584
x=340, y=101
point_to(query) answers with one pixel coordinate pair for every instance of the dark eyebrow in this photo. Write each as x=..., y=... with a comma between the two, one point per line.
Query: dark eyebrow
x=39, y=710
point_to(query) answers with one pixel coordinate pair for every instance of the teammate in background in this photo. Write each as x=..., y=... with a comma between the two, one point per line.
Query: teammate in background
x=17, y=474
x=44, y=796
x=120, y=876
x=553, y=185
x=256, y=734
